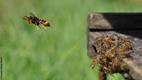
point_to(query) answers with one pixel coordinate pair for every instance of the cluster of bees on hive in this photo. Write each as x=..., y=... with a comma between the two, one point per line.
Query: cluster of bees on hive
x=110, y=52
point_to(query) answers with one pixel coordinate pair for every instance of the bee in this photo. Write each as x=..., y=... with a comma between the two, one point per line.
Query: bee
x=32, y=19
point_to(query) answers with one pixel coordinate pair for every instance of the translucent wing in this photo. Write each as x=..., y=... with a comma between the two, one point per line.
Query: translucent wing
x=37, y=27
x=32, y=14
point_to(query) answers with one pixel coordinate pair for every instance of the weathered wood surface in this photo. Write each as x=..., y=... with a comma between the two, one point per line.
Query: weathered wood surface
x=115, y=21
x=125, y=25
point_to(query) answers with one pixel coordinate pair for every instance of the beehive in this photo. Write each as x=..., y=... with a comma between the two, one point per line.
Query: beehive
x=115, y=43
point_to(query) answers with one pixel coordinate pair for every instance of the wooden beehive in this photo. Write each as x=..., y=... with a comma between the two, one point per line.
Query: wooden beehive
x=115, y=42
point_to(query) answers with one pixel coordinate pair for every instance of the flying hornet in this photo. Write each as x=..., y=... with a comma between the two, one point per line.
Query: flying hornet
x=32, y=19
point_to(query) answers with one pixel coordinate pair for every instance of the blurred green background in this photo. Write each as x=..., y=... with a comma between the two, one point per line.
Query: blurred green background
x=58, y=53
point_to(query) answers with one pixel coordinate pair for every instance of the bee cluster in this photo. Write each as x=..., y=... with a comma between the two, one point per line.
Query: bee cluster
x=110, y=52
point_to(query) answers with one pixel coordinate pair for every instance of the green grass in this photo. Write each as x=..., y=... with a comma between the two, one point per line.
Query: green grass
x=58, y=53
